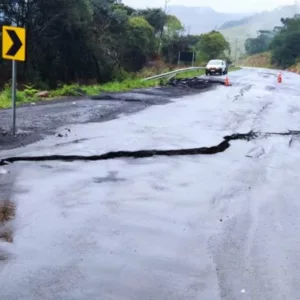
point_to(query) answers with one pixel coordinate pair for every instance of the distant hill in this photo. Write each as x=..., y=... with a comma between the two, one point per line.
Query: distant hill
x=237, y=31
x=199, y=20
x=235, y=27
x=235, y=23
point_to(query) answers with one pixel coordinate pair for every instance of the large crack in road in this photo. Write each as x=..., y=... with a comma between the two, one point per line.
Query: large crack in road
x=223, y=146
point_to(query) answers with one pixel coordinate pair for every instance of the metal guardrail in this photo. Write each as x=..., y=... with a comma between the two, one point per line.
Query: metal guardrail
x=173, y=73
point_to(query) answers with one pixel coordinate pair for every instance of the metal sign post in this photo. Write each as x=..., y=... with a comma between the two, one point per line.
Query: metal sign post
x=14, y=48
x=186, y=57
x=14, y=95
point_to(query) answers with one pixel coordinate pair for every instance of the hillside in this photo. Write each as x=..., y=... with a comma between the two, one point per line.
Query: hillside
x=199, y=20
x=236, y=32
x=261, y=60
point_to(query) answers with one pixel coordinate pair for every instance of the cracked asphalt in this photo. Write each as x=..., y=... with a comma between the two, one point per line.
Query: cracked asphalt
x=37, y=120
x=220, y=226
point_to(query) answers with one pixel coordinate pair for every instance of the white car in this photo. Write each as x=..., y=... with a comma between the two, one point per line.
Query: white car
x=216, y=66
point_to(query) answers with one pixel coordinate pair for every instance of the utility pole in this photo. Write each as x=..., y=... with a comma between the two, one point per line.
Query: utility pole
x=162, y=26
x=188, y=30
x=235, y=54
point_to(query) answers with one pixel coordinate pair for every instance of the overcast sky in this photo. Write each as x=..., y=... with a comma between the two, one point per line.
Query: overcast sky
x=218, y=5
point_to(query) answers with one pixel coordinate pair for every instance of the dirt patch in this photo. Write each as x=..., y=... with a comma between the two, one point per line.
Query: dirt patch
x=7, y=213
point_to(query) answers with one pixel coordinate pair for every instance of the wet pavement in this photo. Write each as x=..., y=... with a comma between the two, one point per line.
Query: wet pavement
x=220, y=226
x=37, y=120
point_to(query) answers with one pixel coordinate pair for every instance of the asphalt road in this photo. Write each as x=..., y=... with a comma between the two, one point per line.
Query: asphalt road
x=37, y=120
x=223, y=226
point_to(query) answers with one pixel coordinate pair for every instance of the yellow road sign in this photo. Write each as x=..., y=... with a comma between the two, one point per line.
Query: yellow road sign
x=13, y=43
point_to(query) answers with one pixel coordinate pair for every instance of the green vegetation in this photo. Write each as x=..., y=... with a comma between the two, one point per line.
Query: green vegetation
x=283, y=45
x=96, y=41
x=101, y=45
x=237, y=32
x=261, y=60
x=259, y=44
x=190, y=74
x=29, y=93
x=80, y=41
x=115, y=86
x=212, y=45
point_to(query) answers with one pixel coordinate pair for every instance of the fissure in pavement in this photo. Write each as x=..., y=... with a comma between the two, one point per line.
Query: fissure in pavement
x=223, y=146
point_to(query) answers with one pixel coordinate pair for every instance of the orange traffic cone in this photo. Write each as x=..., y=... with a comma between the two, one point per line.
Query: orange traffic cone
x=227, y=83
x=279, y=79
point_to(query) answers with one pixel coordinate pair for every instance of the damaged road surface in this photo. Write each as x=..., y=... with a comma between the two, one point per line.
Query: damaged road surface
x=150, y=153
x=91, y=222
x=36, y=120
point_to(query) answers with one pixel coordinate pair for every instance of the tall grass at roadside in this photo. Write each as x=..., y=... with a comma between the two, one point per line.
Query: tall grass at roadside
x=190, y=74
x=6, y=97
x=30, y=94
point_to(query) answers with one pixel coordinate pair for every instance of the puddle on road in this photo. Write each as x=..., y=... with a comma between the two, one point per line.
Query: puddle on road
x=7, y=213
x=270, y=88
x=7, y=207
x=111, y=177
x=266, y=74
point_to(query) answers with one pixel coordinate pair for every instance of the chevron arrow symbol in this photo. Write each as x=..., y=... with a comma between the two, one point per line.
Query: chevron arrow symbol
x=17, y=44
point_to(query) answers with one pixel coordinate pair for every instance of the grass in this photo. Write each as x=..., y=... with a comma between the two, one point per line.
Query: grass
x=295, y=68
x=114, y=86
x=232, y=69
x=29, y=93
x=261, y=60
x=190, y=74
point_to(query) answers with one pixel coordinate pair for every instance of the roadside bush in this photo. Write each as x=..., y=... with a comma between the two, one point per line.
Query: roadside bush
x=66, y=90
x=30, y=91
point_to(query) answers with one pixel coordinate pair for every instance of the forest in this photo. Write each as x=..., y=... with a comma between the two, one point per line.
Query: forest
x=87, y=41
x=283, y=43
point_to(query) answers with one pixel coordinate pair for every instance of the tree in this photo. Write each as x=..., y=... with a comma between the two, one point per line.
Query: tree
x=173, y=27
x=212, y=45
x=140, y=43
x=171, y=39
x=259, y=44
x=285, y=47
x=155, y=17
x=87, y=40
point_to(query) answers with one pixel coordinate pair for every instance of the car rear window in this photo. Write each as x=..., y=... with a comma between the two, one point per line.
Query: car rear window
x=215, y=62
